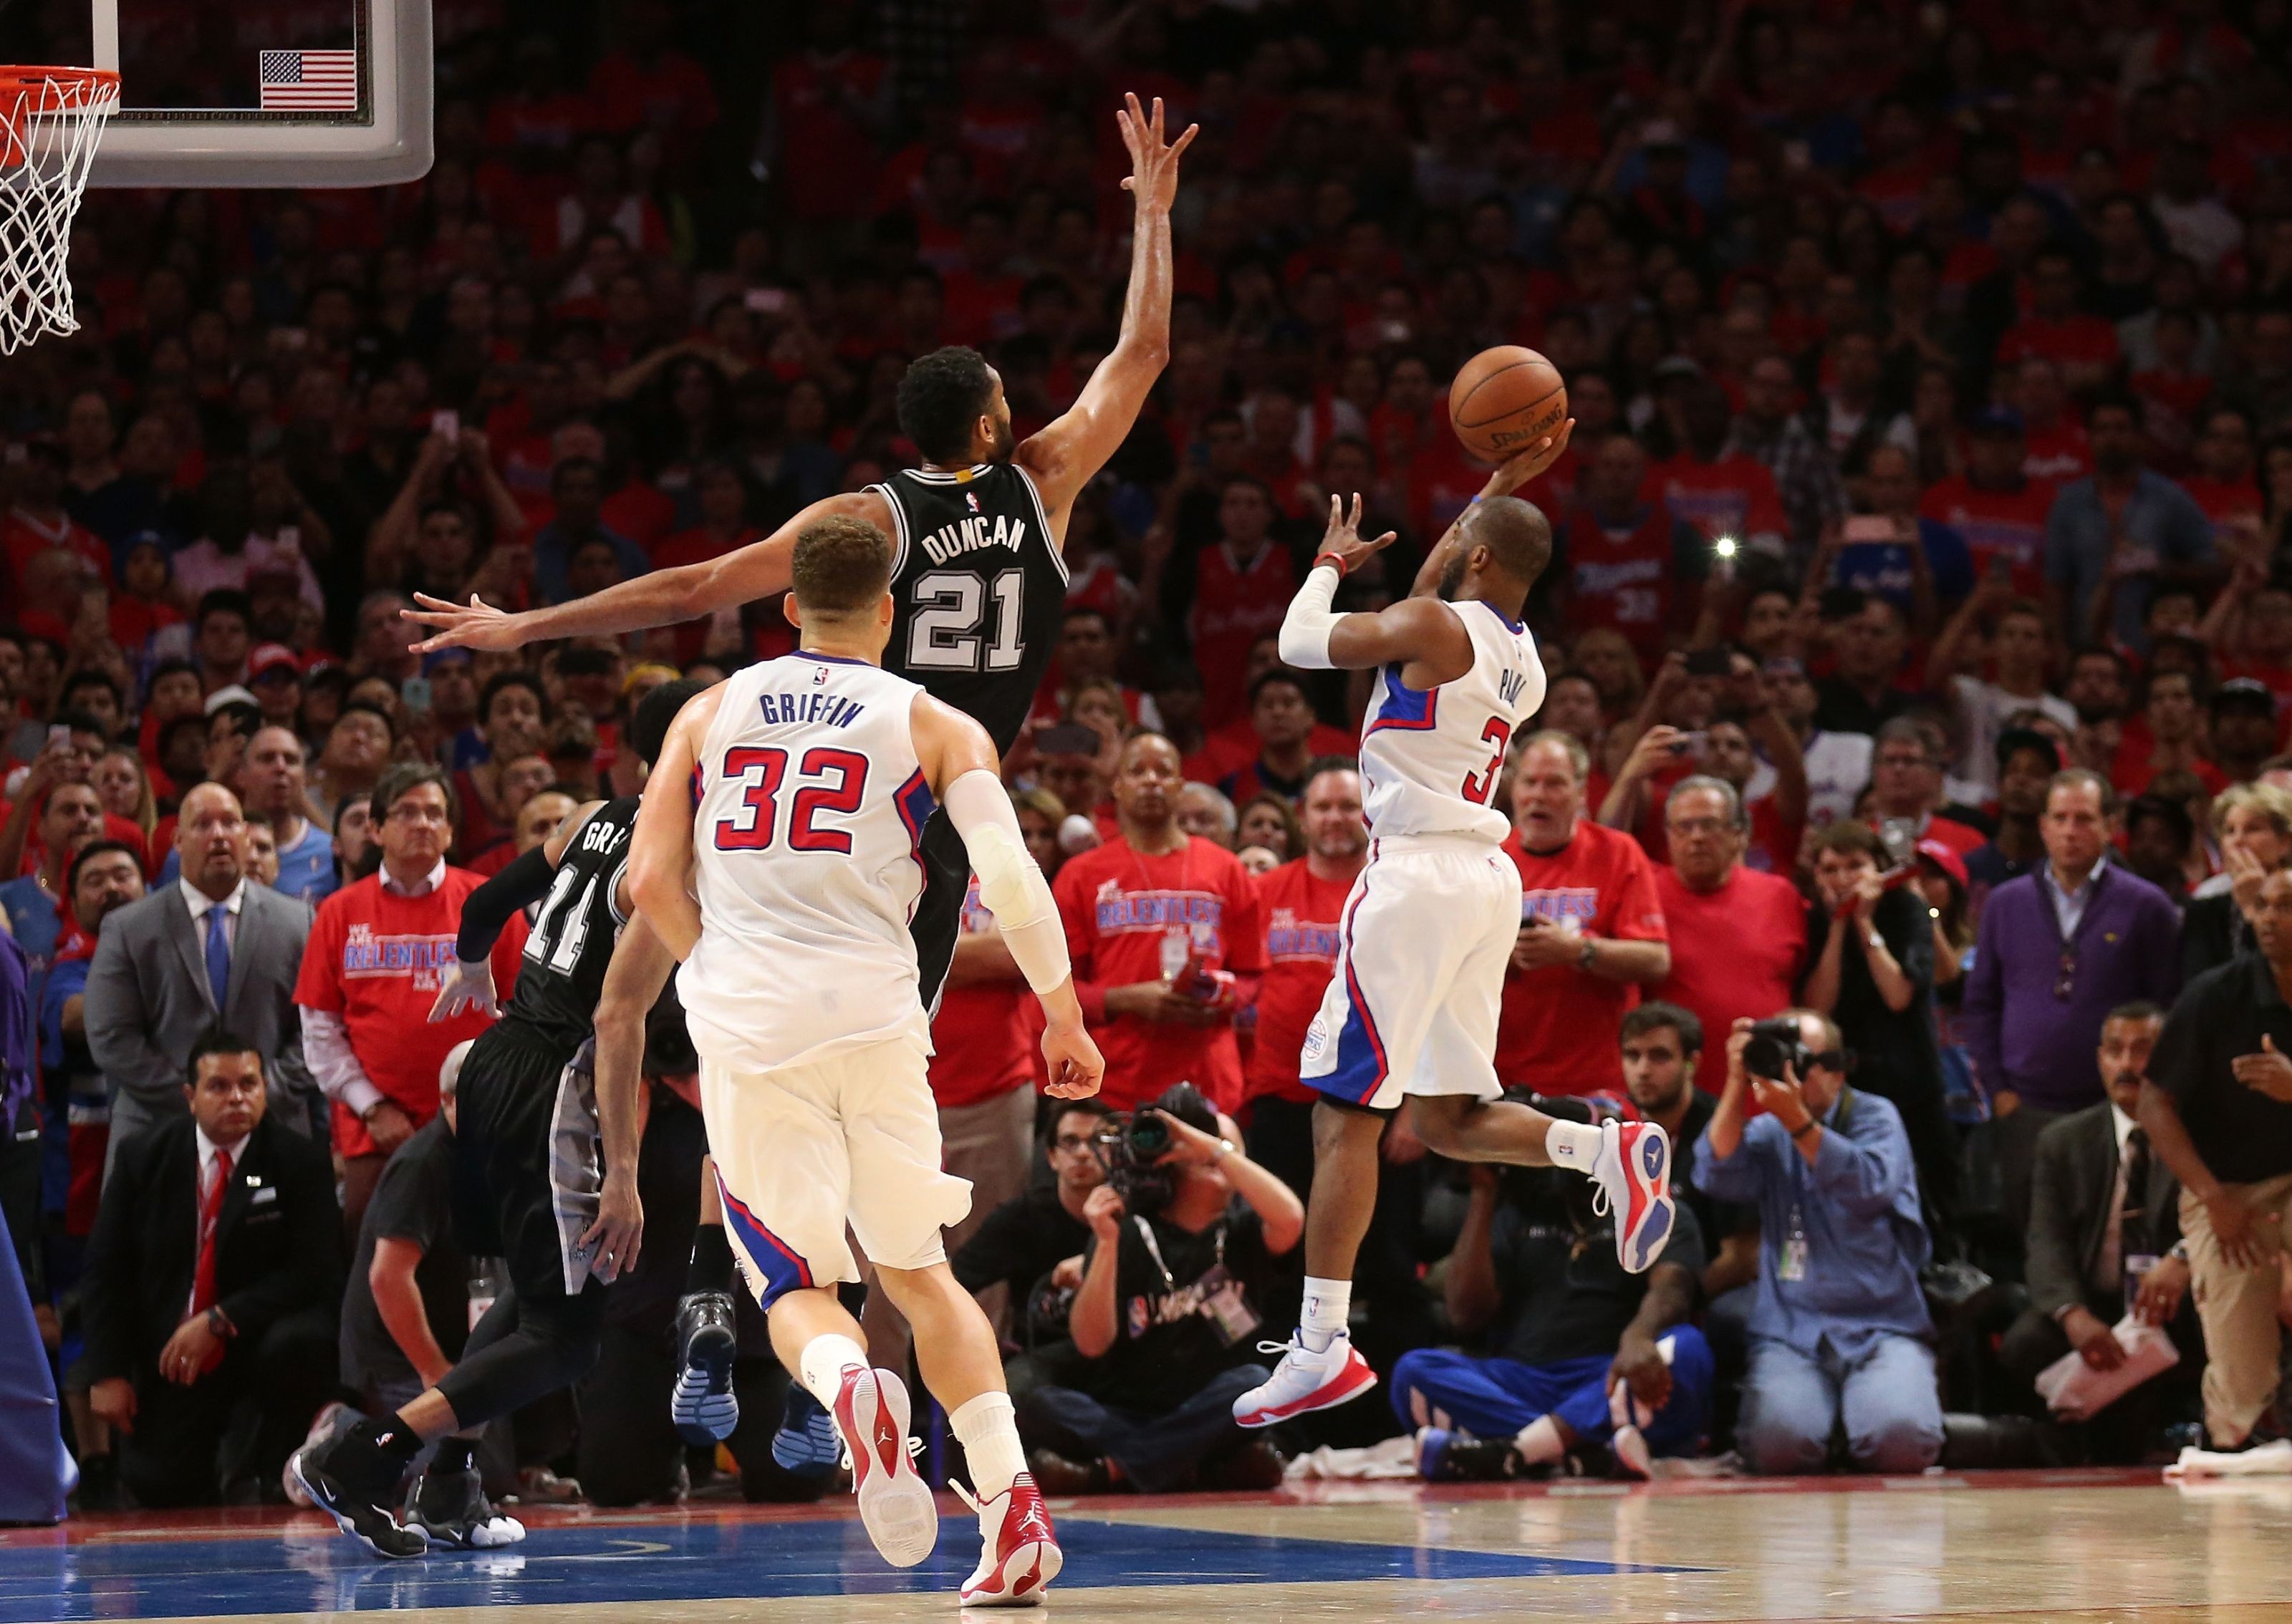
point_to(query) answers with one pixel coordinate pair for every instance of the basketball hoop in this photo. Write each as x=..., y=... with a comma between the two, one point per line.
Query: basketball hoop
x=50, y=119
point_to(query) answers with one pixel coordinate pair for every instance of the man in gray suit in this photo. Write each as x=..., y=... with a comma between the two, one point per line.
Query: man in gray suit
x=2105, y=1235
x=215, y=948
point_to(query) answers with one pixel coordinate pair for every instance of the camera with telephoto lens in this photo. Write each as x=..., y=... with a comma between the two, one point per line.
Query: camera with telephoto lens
x=1775, y=1043
x=1133, y=1146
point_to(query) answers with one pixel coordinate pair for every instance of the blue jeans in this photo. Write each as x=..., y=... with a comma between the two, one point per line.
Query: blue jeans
x=1156, y=1452
x=1495, y=1398
x=1886, y=1398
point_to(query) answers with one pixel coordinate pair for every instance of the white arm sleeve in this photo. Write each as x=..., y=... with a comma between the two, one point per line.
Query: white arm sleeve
x=1306, y=629
x=1010, y=884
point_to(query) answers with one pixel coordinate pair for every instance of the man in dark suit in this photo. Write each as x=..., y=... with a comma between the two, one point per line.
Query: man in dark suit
x=2104, y=1223
x=213, y=948
x=212, y=1282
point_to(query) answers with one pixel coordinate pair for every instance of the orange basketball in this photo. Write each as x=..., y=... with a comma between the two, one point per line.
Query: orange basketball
x=1505, y=399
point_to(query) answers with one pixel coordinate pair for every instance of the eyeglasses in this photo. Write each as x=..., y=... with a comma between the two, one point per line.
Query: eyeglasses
x=1700, y=825
x=2061, y=982
x=1070, y=1143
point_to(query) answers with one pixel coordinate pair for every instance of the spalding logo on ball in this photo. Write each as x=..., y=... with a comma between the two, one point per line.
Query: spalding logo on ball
x=1505, y=399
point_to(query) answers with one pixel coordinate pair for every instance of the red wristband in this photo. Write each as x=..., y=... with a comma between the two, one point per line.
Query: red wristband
x=1329, y=559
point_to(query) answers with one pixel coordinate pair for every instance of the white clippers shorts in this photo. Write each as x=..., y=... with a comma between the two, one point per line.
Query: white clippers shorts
x=1422, y=949
x=801, y=1150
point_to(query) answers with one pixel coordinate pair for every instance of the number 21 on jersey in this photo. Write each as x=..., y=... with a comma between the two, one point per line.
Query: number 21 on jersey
x=829, y=780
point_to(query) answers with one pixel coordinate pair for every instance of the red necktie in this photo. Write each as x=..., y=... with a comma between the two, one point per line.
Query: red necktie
x=203, y=1282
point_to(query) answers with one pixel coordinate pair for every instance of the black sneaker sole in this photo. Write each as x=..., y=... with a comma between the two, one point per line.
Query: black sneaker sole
x=327, y=1498
x=711, y=1350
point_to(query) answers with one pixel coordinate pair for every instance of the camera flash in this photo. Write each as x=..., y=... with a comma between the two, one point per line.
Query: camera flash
x=1724, y=546
x=1934, y=913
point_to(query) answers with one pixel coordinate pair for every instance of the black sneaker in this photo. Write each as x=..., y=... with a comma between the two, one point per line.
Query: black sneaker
x=358, y=1509
x=1445, y=1455
x=451, y=1508
x=703, y=1405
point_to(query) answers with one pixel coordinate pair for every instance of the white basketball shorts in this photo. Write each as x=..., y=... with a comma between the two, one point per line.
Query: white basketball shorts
x=801, y=1150
x=1422, y=949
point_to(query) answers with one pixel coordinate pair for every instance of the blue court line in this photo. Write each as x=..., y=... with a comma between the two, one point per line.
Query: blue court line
x=299, y=1570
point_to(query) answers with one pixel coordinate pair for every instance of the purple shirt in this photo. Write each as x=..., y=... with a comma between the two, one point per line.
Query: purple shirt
x=2034, y=1005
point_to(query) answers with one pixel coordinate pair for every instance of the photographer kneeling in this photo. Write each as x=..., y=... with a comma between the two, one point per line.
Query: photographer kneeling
x=1183, y=1232
x=1839, y=1330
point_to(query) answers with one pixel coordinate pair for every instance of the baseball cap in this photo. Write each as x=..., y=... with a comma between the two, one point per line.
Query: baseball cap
x=1676, y=367
x=229, y=694
x=437, y=657
x=269, y=657
x=1943, y=858
x=2247, y=693
x=1996, y=420
x=2014, y=740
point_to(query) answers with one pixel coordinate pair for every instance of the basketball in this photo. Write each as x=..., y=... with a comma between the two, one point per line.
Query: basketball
x=1505, y=399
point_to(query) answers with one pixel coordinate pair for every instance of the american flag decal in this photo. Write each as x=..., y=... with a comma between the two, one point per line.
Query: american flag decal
x=309, y=81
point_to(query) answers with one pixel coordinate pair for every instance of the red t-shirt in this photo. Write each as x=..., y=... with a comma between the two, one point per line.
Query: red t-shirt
x=1235, y=604
x=1994, y=523
x=2058, y=454
x=1557, y=1032
x=1735, y=951
x=25, y=538
x=2075, y=341
x=373, y=959
x=1120, y=906
x=1734, y=496
x=980, y=1041
x=1301, y=915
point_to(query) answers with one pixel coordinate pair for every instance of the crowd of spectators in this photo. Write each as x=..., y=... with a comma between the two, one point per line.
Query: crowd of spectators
x=1919, y=637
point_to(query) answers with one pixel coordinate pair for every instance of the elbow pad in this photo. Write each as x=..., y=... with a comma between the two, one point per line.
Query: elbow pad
x=1010, y=884
x=1306, y=629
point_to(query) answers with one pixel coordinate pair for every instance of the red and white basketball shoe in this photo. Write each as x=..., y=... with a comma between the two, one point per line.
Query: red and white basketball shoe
x=1019, y=1555
x=1305, y=1381
x=895, y=1503
x=1634, y=1172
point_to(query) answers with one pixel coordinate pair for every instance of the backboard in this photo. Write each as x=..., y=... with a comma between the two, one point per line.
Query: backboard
x=263, y=92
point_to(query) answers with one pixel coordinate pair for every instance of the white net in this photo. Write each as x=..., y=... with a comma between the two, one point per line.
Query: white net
x=50, y=119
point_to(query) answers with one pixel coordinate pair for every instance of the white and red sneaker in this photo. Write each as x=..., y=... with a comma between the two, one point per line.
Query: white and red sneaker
x=1019, y=1555
x=1633, y=1173
x=1305, y=1381
x=895, y=1503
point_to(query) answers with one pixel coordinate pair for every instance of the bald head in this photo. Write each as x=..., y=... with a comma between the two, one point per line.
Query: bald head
x=210, y=840
x=1516, y=534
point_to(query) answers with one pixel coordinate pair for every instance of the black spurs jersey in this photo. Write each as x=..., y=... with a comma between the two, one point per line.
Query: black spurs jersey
x=978, y=589
x=574, y=928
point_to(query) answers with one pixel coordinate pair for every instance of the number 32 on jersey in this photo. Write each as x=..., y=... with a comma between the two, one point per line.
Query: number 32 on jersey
x=828, y=780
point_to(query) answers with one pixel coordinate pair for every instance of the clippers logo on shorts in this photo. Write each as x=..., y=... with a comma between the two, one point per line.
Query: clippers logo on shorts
x=1579, y=902
x=1200, y=914
x=1316, y=1039
x=1289, y=940
x=417, y=958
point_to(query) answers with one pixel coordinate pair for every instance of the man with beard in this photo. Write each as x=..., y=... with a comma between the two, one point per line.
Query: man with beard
x=2027, y=761
x=2119, y=532
x=978, y=579
x=1661, y=1046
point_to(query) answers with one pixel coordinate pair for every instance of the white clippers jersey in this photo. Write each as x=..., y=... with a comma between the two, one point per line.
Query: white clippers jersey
x=1431, y=761
x=809, y=803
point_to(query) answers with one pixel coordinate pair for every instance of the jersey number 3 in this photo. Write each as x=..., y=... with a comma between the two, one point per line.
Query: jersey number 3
x=830, y=780
x=1481, y=788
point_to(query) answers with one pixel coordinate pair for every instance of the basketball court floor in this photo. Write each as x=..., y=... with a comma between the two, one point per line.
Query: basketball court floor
x=2083, y=1546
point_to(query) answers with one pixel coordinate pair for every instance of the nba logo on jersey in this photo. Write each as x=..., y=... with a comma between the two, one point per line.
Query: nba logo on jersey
x=971, y=501
x=820, y=676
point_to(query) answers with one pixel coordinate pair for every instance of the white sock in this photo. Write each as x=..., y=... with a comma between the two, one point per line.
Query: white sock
x=1539, y=1440
x=1328, y=1304
x=824, y=1361
x=1575, y=1145
x=990, y=1443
